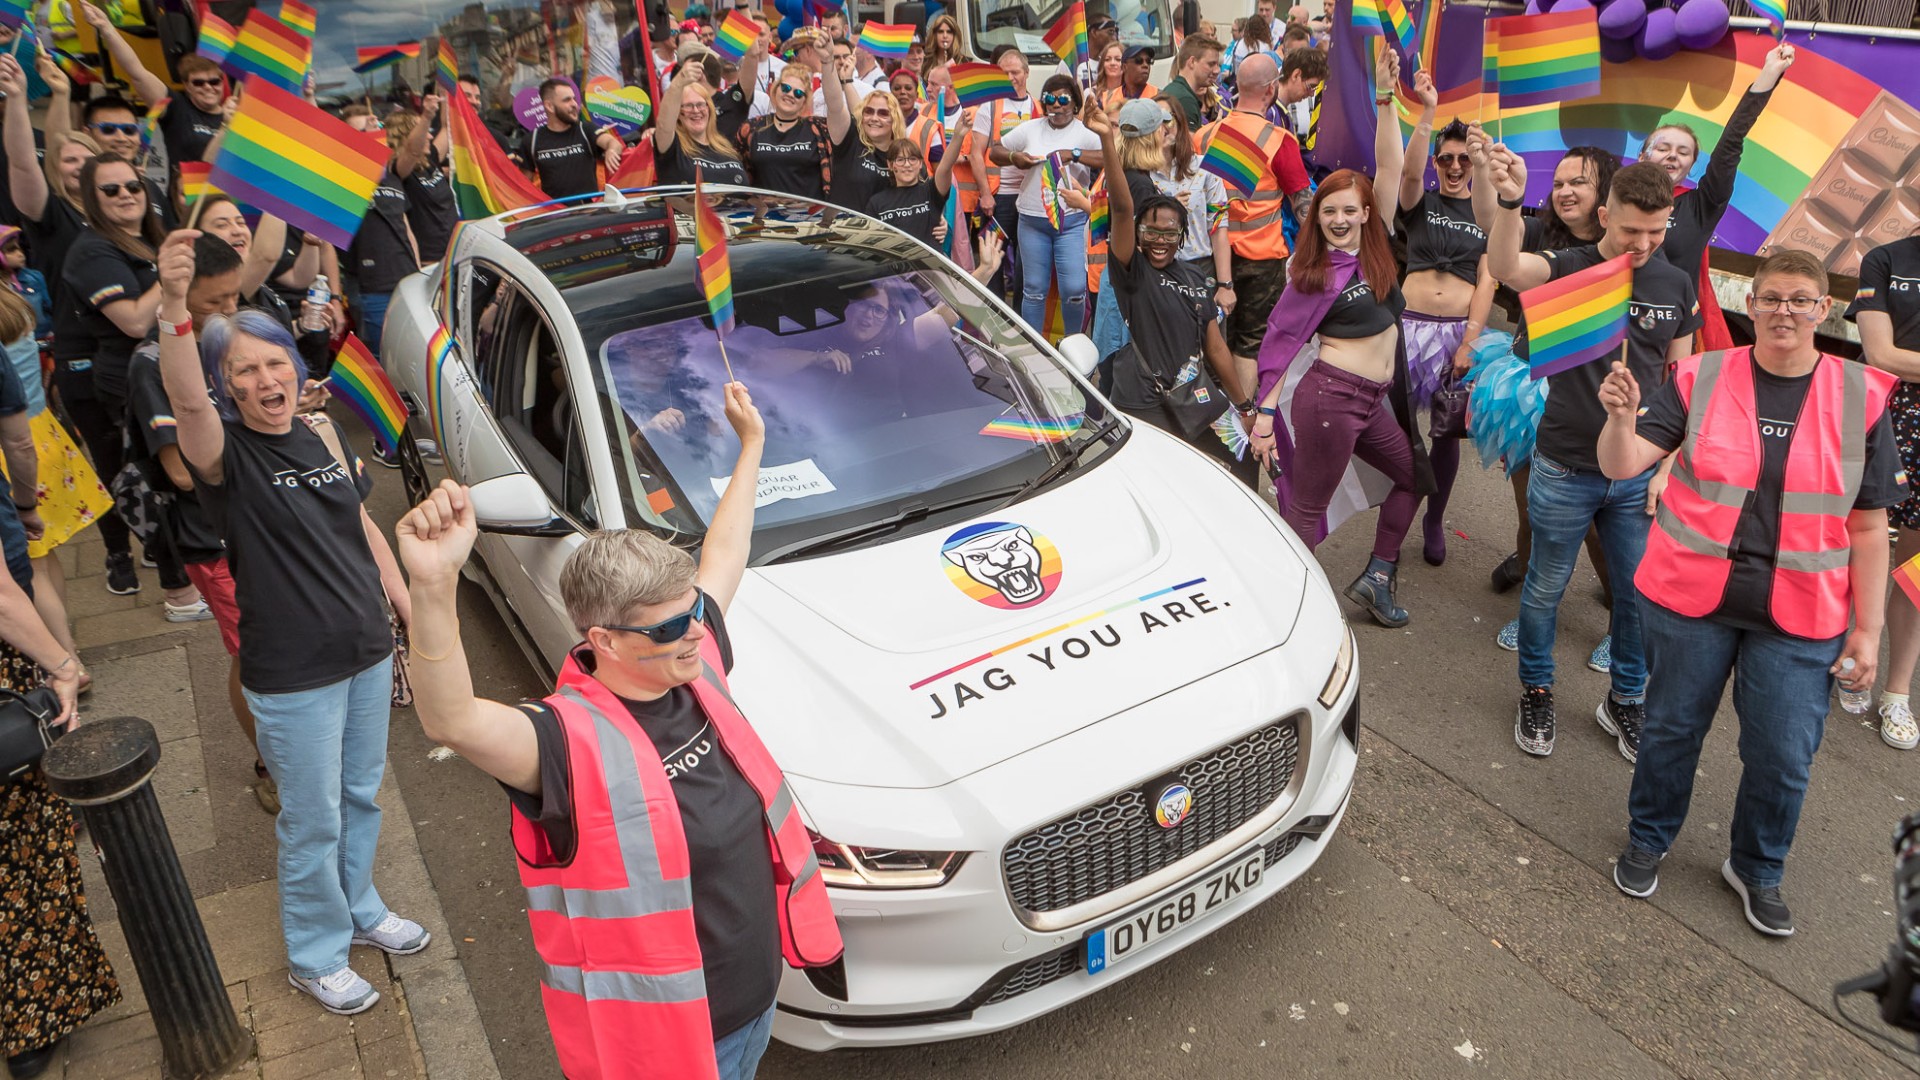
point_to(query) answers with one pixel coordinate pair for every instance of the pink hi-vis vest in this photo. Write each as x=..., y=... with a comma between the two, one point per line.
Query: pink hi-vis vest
x=1687, y=564
x=622, y=981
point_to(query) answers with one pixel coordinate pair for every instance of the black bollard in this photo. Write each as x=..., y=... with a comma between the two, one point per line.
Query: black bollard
x=104, y=768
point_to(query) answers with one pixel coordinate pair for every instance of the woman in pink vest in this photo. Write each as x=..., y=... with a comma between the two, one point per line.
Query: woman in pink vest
x=1768, y=557
x=661, y=935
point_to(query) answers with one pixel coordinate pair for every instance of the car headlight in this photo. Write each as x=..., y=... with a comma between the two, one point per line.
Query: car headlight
x=849, y=867
x=1342, y=670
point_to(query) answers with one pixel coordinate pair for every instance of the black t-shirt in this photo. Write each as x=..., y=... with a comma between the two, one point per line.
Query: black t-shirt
x=312, y=610
x=914, y=210
x=565, y=161
x=186, y=130
x=731, y=867
x=97, y=274
x=151, y=428
x=1442, y=235
x=675, y=165
x=1890, y=282
x=1166, y=312
x=431, y=208
x=1697, y=213
x=794, y=161
x=1778, y=402
x=48, y=241
x=858, y=172
x=1356, y=313
x=380, y=254
x=1663, y=307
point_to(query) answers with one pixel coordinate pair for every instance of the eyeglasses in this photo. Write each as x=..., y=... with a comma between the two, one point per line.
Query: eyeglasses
x=206, y=82
x=668, y=631
x=1446, y=160
x=792, y=91
x=112, y=191
x=1159, y=234
x=116, y=129
x=1799, y=305
x=1056, y=99
x=876, y=114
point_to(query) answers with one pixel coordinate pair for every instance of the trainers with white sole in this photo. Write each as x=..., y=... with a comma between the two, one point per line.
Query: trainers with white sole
x=395, y=935
x=343, y=993
x=1897, y=726
x=198, y=611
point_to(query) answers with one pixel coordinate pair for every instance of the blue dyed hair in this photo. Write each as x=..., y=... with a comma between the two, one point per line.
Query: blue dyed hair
x=216, y=341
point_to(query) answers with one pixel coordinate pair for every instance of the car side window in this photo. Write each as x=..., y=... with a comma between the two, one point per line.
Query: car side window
x=523, y=377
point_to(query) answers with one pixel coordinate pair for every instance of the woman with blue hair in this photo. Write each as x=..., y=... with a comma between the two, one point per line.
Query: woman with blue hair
x=316, y=653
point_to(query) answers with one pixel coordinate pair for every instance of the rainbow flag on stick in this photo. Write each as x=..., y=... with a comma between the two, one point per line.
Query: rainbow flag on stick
x=1429, y=38
x=737, y=34
x=1579, y=318
x=1100, y=218
x=1490, y=72
x=299, y=16
x=1775, y=12
x=1542, y=59
x=15, y=13
x=485, y=183
x=1907, y=576
x=217, y=38
x=1233, y=157
x=373, y=57
x=274, y=51
x=1387, y=18
x=193, y=180
x=445, y=68
x=1052, y=179
x=883, y=39
x=298, y=163
x=714, y=270
x=977, y=84
x=362, y=385
x=1068, y=36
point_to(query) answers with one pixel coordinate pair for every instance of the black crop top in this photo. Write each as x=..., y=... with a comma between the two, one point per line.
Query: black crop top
x=1356, y=314
x=1441, y=235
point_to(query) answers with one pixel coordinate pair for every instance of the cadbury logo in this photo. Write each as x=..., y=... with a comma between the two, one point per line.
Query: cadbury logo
x=1850, y=192
x=1886, y=136
x=1811, y=238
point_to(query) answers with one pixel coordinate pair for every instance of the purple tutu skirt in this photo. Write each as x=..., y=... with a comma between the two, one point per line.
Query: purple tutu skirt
x=1431, y=342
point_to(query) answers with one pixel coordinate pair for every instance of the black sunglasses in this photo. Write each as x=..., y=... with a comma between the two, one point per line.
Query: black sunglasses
x=117, y=129
x=206, y=82
x=1449, y=159
x=668, y=631
x=112, y=191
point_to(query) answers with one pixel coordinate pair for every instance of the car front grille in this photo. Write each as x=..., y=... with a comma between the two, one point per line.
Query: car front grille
x=1116, y=841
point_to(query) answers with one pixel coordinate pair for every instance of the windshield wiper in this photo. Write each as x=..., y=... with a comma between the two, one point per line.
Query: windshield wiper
x=907, y=515
x=1059, y=468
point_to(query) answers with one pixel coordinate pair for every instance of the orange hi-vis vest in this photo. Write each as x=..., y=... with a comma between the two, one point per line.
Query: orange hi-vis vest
x=1254, y=226
x=1096, y=249
x=622, y=982
x=923, y=133
x=1687, y=563
x=963, y=179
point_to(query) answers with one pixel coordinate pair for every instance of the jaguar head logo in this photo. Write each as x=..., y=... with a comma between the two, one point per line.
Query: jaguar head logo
x=1002, y=564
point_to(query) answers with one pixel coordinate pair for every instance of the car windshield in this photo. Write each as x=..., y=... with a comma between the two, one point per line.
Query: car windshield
x=893, y=391
x=1023, y=22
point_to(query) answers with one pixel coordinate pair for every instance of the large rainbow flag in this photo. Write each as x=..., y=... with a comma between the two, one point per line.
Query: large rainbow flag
x=1579, y=318
x=300, y=164
x=374, y=57
x=711, y=265
x=485, y=183
x=977, y=84
x=360, y=383
x=272, y=50
x=1548, y=58
x=1067, y=37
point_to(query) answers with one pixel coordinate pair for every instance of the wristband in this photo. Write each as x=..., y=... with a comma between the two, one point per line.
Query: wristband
x=183, y=328
x=1506, y=205
x=1268, y=410
x=1383, y=101
x=26, y=509
x=1244, y=406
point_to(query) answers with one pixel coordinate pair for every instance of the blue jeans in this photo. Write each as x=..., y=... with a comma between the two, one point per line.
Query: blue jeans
x=1562, y=504
x=1780, y=687
x=1050, y=256
x=373, y=318
x=326, y=749
x=738, y=1053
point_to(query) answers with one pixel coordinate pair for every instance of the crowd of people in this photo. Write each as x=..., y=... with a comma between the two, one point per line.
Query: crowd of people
x=165, y=386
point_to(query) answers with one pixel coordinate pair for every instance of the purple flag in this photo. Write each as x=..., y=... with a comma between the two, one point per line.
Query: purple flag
x=1345, y=139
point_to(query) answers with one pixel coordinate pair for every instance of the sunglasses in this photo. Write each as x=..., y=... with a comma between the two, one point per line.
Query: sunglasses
x=876, y=114
x=1056, y=99
x=1450, y=159
x=792, y=91
x=206, y=82
x=112, y=191
x=668, y=631
x=116, y=129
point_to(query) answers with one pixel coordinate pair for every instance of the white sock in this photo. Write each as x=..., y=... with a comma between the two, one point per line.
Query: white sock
x=1890, y=699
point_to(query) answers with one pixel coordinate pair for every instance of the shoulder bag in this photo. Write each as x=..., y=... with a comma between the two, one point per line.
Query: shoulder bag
x=26, y=729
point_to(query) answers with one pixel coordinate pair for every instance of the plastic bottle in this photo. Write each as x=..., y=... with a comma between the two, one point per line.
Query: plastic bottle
x=313, y=313
x=1853, y=701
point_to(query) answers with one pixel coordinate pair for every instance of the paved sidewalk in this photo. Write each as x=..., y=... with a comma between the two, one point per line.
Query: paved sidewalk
x=174, y=676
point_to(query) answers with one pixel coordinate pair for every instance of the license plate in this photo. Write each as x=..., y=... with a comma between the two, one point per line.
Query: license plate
x=1118, y=940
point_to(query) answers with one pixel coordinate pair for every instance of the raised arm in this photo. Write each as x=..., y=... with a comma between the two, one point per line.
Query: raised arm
x=1413, y=171
x=1120, y=208
x=145, y=83
x=723, y=558
x=950, y=156
x=412, y=153
x=839, y=118
x=24, y=175
x=202, y=439
x=1723, y=165
x=269, y=240
x=666, y=122
x=1388, y=154
x=1509, y=265
x=1484, y=206
x=60, y=97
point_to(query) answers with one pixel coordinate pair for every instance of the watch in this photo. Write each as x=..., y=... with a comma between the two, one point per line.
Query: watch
x=1076, y=154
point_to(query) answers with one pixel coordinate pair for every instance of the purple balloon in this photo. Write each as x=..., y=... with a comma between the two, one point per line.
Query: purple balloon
x=1567, y=5
x=1621, y=19
x=1700, y=24
x=1657, y=40
x=1617, y=50
x=1533, y=7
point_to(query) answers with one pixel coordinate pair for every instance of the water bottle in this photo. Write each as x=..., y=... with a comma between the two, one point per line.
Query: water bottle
x=1853, y=701
x=313, y=313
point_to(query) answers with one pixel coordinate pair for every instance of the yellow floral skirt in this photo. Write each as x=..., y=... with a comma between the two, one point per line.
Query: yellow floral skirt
x=72, y=497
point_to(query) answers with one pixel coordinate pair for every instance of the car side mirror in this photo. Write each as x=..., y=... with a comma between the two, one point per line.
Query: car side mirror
x=1082, y=355
x=515, y=505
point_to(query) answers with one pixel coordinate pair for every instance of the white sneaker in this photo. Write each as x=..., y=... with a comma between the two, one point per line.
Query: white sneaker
x=395, y=935
x=1897, y=726
x=344, y=992
x=198, y=611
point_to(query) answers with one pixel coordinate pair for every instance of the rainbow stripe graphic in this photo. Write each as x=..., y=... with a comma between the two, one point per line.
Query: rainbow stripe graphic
x=974, y=543
x=977, y=84
x=445, y=68
x=1429, y=37
x=1490, y=72
x=1052, y=179
x=737, y=34
x=1387, y=18
x=217, y=38
x=1579, y=318
x=1067, y=37
x=1038, y=429
x=710, y=259
x=1001, y=650
x=1907, y=576
x=274, y=51
x=1775, y=12
x=1100, y=218
x=299, y=16
x=1233, y=157
x=373, y=57
x=300, y=164
x=439, y=351
x=883, y=39
x=193, y=180
x=1548, y=58
x=362, y=384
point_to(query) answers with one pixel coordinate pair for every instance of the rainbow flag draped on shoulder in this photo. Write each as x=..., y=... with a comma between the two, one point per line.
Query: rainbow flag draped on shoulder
x=484, y=181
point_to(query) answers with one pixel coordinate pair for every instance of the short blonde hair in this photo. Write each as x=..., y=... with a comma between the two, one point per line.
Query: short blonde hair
x=614, y=571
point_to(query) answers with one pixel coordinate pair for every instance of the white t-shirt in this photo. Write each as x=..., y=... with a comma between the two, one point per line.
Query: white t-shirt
x=1198, y=193
x=1039, y=137
x=1011, y=113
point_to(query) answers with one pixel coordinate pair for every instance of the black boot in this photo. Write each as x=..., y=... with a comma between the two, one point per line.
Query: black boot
x=33, y=1062
x=1374, y=589
x=1509, y=573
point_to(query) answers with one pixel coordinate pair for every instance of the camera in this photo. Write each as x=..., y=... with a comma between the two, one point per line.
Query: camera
x=1897, y=983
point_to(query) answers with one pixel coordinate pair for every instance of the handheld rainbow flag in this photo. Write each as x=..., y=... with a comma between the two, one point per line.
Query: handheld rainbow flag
x=1052, y=179
x=150, y=124
x=485, y=183
x=1067, y=37
x=711, y=266
x=1429, y=38
x=1100, y=218
x=1775, y=12
x=1387, y=18
x=1490, y=72
x=299, y=16
x=446, y=69
x=977, y=84
x=300, y=164
x=360, y=383
x=15, y=13
x=217, y=38
x=1542, y=59
x=736, y=35
x=1579, y=318
x=373, y=57
x=883, y=39
x=1038, y=429
x=1233, y=157
x=193, y=180
x=274, y=51
x=1907, y=576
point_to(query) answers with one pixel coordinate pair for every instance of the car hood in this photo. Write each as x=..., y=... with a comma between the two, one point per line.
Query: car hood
x=892, y=666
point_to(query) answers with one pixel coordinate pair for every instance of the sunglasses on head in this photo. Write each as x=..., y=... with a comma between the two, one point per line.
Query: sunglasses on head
x=668, y=631
x=112, y=191
x=1056, y=99
x=792, y=91
x=1449, y=159
x=206, y=82
x=117, y=129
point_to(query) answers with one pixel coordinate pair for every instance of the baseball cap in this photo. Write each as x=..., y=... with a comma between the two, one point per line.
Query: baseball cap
x=1132, y=51
x=1142, y=117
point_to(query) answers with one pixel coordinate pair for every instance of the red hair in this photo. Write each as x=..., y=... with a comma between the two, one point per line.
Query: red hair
x=1314, y=260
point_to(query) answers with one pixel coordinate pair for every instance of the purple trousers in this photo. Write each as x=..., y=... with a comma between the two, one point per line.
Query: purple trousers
x=1338, y=416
